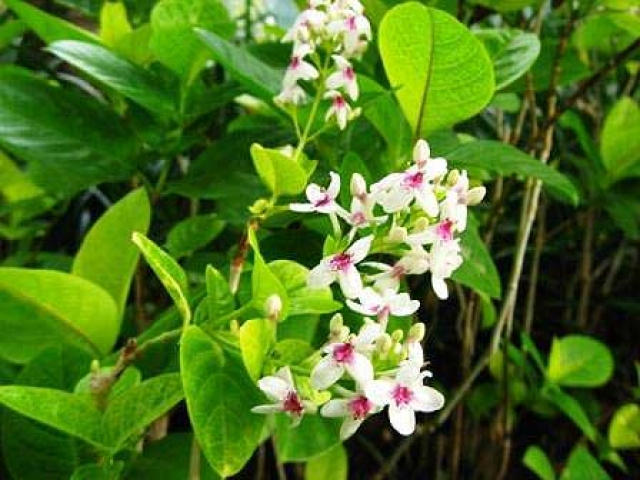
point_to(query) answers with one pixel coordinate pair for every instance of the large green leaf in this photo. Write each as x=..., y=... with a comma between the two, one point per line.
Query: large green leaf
x=219, y=396
x=107, y=257
x=620, y=145
x=442, y=72
x=124, y=77
x=331, y=465
x=258, y=78
x=69, y=140
x=193, y=233
x=9, y=31
x=281, y=174
x=502, y=159
x=581, y=465
x=173, y=40
x=512, y=52
x=49, y=27
x=579, y=361
x=538, y=462
x=624, y=429
x=220, y=301
x=256, y=339
x=314, y=436
x=39, y=308
x=31, y=450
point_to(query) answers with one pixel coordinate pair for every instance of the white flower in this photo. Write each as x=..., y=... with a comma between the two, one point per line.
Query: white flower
x=343, y=77
x=311, y=20
x=414, y=262
x=445, y=258
x=351, y=29
x=282, y=392
x=341, y=267
x=321, y=200
x=355, y=409
x=459, y=196
x=404, y=395
x=293, y=95
x=339, y=109
x=381, y=305
x=298, y=68
x=440, y=232
x=347, y=356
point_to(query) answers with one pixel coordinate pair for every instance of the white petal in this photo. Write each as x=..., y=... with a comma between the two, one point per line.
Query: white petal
x=402, y=305
x=285, y=374
x=408, y=374
x=402, y=419
x=334, y=187
x=335, y=408
x=301, y=207
x=436, y=167
x=314, y=193
x=356, y=307
x=306, y=71
x=397, y=199
x=379, y=391
x=335, y=81
x=321, y=276
x=349, y=427
x=266, y=409
x=352, y=89
x=274, y=387
x=368, y=334
x=427, y=200
x=475, y=195
x=426, y=399
x=421, y=152
x=415, y=353
x=326, y=373
x=360, y=369
x=461, y=218
x=350, y=282
x=439, y=287
x=360, y=249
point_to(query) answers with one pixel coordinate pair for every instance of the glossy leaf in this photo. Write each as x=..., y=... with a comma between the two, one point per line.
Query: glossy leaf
x=256, y=338
x=107, y=257
x=220, y=301
x=624, y=429
x=192, y=234
x=424, y=51
x=331, y=465
x=620, y=144
x=219, y=396
x=116, y=72
x=572, y=409
x=314, y=436
x=40, y=308
x=281, y=174
x=512, y=52
x=579, y=361
x=536, y=460
x=114, y=24
x=583, y=466
x=170, y=273
x=9, y=31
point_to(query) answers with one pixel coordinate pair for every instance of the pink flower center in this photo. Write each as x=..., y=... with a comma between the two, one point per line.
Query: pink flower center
x=351, y=23
x=343, y=353
x=358, y=218
x=401, y=395
x=293, y=404
x=360, y=407
x=398, y=271
x=341, y=262
x=295, y=62
x=349, y=74
x=324, y=201
x=413, y=180
x=444, y=230
x=339, y=103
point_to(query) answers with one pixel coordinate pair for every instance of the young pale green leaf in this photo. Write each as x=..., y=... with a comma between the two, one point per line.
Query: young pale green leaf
x=314, y=436
x=114, y=24
x=70, y=140
x=106, y=256
x=264, y=283
x=279, y=173
x=536, y=460
x=579, y=361
x=256, y=339
x=173, y=40
x=331, y=465
x=220, y=301
x=49, y=27
x=220, y=396
x=30, y=447
x=39, y=308
x=134, y=409
x=70, y=413
x=193, y=233
x=581, y=465
x=423, y=51
x=572, y=409
x=170, y=273
x=502, y=159
x=259, y=78
x=118, y=73
x=620, y=146
x=624, y=429
x=512, y=52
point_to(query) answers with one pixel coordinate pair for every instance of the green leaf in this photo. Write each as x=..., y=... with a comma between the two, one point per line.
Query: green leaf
x=331, y=465
x=114, y=24
x=424, y=51
x=281, y=174
x=583, y=466
x=31, y=450
x=69, y=140
x=49, y=27
x=572, y=409
x=70, y=413
x=506, y=5
x=106, y=256
x=620, y=146
x=172, y=276
x=116, y=72
x=193, y=233
x=173, y=40
x=512, y=52
x=219, y=396
x=624, y=429
x=130, y=412
x=99, y=472
x=256, y=339
x=9, y=31
x=314, y=436
x=220, y=301
x=579, y=361
x=260, y=79
x=40, y=308
x=536, y=460
x=478, y=271
x=502, y=159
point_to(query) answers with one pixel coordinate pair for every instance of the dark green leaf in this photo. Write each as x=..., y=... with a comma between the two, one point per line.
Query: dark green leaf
x=572, y=409
x=538, y=462
x=192, y=234
x=583, y=466
x=579, y=361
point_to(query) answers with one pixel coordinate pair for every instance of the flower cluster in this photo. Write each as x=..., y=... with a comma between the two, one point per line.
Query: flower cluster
x=413, y=217
x=326, y=36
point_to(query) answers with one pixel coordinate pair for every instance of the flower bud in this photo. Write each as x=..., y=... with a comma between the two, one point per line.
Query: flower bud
x=453, y=177
x=397, y=235
x=475, y=195
x=416, y=332
x=421, y=224
x=358, y=186
x=383, y=344
x=273, y=307
x=336, y=323
x=260, y=206
x=397, y=336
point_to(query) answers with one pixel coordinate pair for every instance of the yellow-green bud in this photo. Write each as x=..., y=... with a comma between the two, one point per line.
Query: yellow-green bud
x=416, y=332
x=273, y=307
